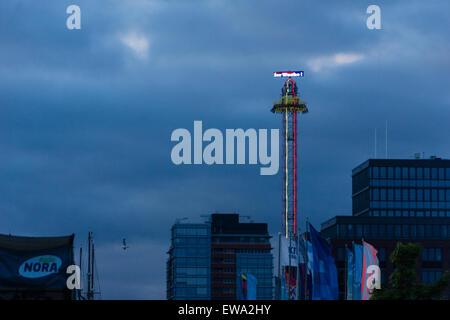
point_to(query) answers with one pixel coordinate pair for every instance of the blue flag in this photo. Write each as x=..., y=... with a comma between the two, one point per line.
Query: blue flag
x=350, y=267
x=358, y=265
x=325, y=282
x=251, y=287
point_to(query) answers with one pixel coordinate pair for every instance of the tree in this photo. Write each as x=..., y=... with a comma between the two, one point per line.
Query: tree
x=404, y=281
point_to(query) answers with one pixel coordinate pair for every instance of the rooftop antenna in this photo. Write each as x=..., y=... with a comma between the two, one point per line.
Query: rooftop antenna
x=375, y=147
x=180, y=219
x=386, y=139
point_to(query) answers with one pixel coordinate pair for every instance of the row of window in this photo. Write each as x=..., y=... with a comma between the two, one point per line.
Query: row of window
x=410, y=173
x=190, y=292
x=190, y=231
x=197, y=271
x=194, y=281
x=428, y=254
x=409, y=213
x=432, y=254
x=413, y=231
x=240, y=240
x=341, y=254
x=407, y=183
x=191, y=241
x=192, y=252
x=430, y=276
x=407, y=205
x=191, y=261
x=242, y=250
x=410, y=194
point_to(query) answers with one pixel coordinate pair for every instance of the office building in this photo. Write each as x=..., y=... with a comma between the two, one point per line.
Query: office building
x=206, y=260
x=397, y=200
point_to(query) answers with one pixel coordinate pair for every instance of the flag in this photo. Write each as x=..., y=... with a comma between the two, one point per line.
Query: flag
x=357, y=275
x=284, y=287
x=288, y=252
x=243, y=287
x=251, y=287
x=369, y=259
x=350, y=267
x=309, y=270
x=302, y=281
x=324, y=281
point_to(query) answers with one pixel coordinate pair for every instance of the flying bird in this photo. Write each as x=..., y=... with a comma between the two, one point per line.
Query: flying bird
x=124, y=244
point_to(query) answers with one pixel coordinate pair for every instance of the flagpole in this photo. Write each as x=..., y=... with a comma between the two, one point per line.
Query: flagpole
x=346, y=273
x=307, y=261
x=353, y=270
x=279, y=266
x=298, y=267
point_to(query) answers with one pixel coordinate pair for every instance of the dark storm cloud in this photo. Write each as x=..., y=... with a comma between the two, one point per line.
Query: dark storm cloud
x=86, y=116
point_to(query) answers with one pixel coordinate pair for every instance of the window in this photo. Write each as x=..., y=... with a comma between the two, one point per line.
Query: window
x=340, y=254
x=383, y=194
x=375, y=194
x=350, y=229
x=425, y=254
x=390, y=172
x=444, y=231
x=431, y=254
x=412, y=173
x=375, y=173
x=420, y=231
x=433, y=173
x=419, y=194
x=390, y=194
x=441, y=195
x=398, y=173
x=433, y=194
x=390, y=230
x=412, y=194
x=438, y=254
x=374, y=230
x=382, y=254
x=398, y=195
x=367, y=230
x=359, y=230
x=405, y=195
x=412, y=231
x=428, y=231
x=405, y=231
x=419, y=173
x=426, y=194
x=404, y=173
x=383, y=172
x=398, y=230
x=426, y=173
x=382, y=228
x=441, y=173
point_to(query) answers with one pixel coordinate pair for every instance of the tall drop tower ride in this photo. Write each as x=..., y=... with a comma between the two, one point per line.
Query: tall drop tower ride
x=289, y=105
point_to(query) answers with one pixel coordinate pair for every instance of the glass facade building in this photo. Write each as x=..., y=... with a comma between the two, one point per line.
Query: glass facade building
x=402, y=188
x=206, y=260
x=188, y=266
x=392, y=201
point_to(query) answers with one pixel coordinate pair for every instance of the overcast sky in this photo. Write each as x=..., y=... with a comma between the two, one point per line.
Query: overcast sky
x=86, y=115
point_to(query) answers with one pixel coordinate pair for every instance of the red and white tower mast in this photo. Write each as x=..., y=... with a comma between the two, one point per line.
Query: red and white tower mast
x=289, y=105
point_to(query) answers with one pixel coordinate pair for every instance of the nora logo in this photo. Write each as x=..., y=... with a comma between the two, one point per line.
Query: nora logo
x=40, y=266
